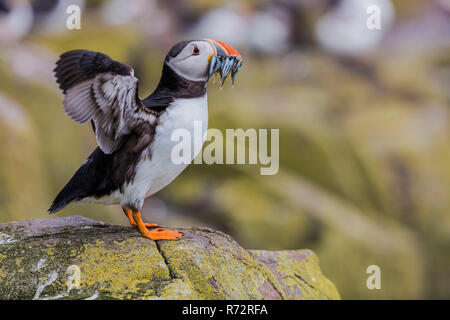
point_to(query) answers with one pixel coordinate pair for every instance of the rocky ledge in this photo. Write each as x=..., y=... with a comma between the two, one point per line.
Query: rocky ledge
x=80, y=258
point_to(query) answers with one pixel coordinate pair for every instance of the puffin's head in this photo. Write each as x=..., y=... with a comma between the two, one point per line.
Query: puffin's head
x=198, y=60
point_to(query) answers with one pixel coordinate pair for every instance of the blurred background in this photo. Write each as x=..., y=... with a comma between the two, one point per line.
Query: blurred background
x=363, y=116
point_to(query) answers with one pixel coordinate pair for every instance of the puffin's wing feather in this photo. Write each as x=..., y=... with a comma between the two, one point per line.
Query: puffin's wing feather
x=102, y=90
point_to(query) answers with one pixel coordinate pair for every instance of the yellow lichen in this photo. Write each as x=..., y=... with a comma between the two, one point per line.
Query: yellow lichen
x=49, y=251
x=123, y=269
x=306, y=274
x=3, y=274
x=178, y=289
x=217, y=274
x=19, y=261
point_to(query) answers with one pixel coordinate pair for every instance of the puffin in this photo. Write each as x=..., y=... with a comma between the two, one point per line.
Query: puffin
x=133, y=159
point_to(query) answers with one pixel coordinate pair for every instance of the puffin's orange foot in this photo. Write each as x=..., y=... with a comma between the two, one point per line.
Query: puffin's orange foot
x=154, y=234
x=152, y=225
x=148, y=225
x=134, y=224
x=162, y=234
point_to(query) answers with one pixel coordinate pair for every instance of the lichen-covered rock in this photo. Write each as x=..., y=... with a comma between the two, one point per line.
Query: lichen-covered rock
x=79, y=258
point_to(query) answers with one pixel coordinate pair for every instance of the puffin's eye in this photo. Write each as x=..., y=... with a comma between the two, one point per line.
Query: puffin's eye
x=196, y=51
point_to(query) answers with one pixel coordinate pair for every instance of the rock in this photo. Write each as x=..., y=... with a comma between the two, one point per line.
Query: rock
x=80, y=258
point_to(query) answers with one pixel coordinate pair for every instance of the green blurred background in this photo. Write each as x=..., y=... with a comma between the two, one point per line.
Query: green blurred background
x=363, y=116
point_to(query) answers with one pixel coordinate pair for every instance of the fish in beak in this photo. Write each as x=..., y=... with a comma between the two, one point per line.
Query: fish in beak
x=225, y=59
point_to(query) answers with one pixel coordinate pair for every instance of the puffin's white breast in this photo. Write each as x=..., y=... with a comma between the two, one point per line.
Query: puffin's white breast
x=157, y=171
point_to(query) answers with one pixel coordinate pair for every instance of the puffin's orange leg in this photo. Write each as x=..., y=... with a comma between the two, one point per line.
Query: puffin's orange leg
x=129, y=216
x=155, y=234
x=133, y=223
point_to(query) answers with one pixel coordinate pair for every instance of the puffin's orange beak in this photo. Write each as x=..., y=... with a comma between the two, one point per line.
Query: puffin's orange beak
x=225, y=59
x=224, y=49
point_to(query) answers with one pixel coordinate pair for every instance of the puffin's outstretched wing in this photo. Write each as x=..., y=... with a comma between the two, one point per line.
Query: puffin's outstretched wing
x=103, y=90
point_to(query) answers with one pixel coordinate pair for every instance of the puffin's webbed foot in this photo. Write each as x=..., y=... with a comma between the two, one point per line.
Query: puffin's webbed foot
x=162, y=234
x=157, y=232
x=134, y=224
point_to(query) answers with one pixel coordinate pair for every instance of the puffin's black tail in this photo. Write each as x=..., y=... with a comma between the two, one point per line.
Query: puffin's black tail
x=69, y=193
x=87, y=181
x=60, y=202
